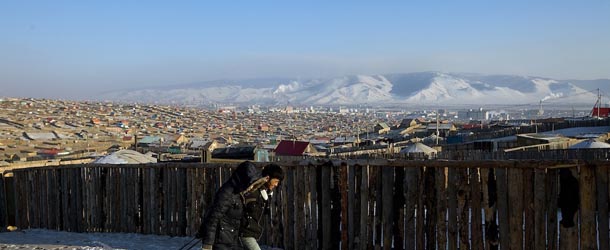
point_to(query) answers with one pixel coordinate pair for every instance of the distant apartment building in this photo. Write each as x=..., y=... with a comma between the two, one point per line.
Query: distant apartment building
x=472, y=114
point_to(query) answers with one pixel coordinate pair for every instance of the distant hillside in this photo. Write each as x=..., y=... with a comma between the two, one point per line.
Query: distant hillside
x=423, y=88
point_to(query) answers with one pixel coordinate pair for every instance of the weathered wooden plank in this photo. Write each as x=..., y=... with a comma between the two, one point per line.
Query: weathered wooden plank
x=373, y=172
x=324, y=174
x=429, y=193
x=420, y=238
x=477, y=220
x=588, y=193
x=174, y=202
x=197, y=187
x=568, y=192
x=279, y=212
x=283, y=210
x=309, y=233
x=135, y=203
x=178, y=202
x=387, y=204
x=107, y=202
x=399, y=208
x=441, y=208
x=43, y=210
x=80, y=223
x=291, y=233
x=490, y=194
x=155, y=200
x=65, y=199
x=200, y=187
x=55, y=199
x=50, y=209
x=110, y=199
x=452, y=205
x=94, y=199
x=601, y=180
x=528, y=208
x=502, y=205
x=515, y=207
x=3, y=209
x=364, y=207
x=23, y=197
x=16, y=193
x=116, y=200
x=300, y=196
x=552, y=191
x=341, y=189
x=463, y=199
x=190, y=207
x=312, y=204
x=540, y=209
x=146, y=216
x=351, y=207
x=126, y=202
x=73, y=211
x=141, y=199
x=69, y=201
x=165, y=212
x=169, y=201
x=29, y=195
x=43, y=205
x=411, y=185
x=88, y=209
x=98, y=199
x=125, y=194
x=115, y=196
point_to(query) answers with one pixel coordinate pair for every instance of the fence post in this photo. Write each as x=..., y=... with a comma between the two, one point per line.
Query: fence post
x=387, y=205
x=441, y=208
x=601, y=174
x=588, y=230
x=551, y=201
x=324, y=233
x=452, y=205
x=3, y=205
x=502, y=203
x=477, y=221
x=540, y=209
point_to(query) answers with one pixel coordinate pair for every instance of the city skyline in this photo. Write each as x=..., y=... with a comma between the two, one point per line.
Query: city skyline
x=65, y=49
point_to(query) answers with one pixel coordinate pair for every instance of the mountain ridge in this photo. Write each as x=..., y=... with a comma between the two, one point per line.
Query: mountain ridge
x=433, y=88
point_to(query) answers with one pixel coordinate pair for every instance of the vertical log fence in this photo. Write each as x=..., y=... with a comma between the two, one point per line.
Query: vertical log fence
x=333, y=205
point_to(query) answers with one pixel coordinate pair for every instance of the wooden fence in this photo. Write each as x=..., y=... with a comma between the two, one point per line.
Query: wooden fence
x=340, y=205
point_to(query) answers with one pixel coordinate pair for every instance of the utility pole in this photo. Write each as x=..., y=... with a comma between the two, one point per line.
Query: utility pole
x=437, y=130
x=599, y=102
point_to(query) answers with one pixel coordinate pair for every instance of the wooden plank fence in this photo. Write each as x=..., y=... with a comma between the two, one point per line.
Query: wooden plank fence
x=334, y=205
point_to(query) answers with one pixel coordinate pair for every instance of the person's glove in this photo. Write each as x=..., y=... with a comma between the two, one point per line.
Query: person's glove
x=206, y=247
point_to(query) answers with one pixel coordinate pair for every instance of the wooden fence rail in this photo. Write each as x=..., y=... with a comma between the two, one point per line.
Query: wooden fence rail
x=335, y=205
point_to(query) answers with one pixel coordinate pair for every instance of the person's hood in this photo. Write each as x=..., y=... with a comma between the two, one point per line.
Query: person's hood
x=244, y=176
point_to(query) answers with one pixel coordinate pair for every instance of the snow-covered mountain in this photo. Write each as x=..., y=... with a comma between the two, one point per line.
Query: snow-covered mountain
x=423, y=88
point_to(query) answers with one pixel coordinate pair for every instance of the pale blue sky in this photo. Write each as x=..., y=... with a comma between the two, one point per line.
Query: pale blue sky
x=71, y=48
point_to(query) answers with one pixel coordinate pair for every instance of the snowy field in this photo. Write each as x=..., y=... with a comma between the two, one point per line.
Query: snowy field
x=47, y=239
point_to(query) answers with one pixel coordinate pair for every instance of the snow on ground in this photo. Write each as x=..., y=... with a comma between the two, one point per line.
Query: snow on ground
x=47, y=239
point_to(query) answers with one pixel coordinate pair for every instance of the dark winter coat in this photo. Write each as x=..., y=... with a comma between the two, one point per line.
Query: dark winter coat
x=221, y=223
x=255, y=207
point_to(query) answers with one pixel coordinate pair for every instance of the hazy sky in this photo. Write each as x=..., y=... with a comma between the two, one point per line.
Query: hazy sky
x=75, y=48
